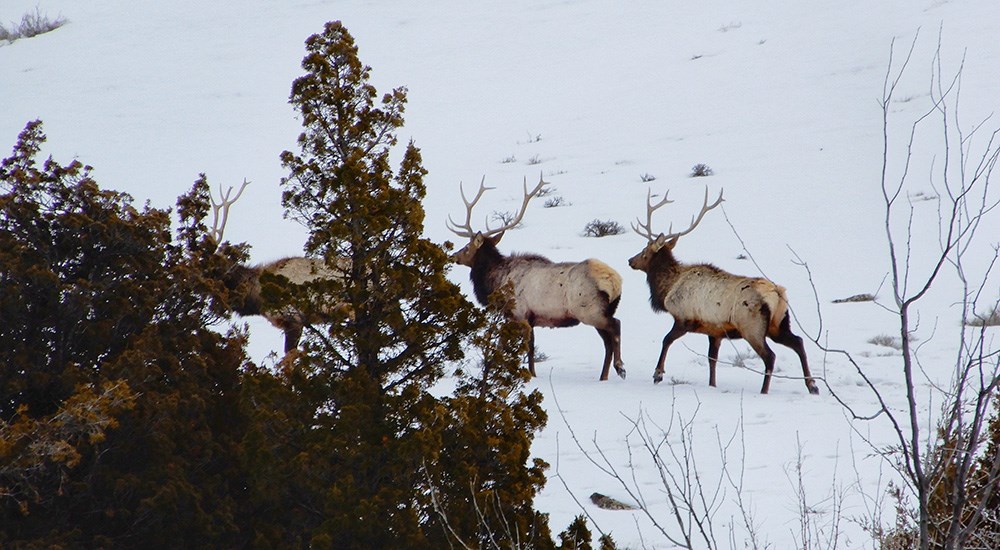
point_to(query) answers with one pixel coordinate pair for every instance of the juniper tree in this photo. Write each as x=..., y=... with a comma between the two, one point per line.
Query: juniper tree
x=120, y=417
x=368, y=373
x=389, y=465
x=485, y=480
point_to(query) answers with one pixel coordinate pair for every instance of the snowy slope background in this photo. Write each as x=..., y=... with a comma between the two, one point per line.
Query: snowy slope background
x=780, y=99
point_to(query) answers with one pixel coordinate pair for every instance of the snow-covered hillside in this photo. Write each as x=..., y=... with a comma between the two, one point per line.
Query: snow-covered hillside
x=781, y=99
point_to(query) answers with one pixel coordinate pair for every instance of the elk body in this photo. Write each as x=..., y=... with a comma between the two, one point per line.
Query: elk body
x=545, y=293
x=707, y=300
x=244, y=282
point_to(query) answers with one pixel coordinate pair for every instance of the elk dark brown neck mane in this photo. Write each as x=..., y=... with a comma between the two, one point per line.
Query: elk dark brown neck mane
x=545, y=293
x=244, y=282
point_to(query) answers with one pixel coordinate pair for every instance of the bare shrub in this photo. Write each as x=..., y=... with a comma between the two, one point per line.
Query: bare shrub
x=886, y=341
x=503, y=217
x=742, y=356
x=602, y=228
x=32, y=24
x=866, y=297
x=989, y=319
x=701, y=170
x=555, y=202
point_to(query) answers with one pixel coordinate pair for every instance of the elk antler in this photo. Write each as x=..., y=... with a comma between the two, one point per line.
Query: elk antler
x=646, y=230
x=695, y=220
x=465, y=230
x=219, y=226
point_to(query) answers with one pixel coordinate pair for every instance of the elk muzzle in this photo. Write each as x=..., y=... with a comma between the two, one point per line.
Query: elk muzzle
x=640, y=261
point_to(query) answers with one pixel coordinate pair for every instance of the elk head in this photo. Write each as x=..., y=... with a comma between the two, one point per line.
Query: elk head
x=667, y=241
x=490, y=237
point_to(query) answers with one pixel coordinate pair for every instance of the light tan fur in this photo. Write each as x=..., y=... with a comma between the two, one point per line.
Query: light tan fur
x=721, y=302
x=608, y=280
x=299, y=270
x=549, y=294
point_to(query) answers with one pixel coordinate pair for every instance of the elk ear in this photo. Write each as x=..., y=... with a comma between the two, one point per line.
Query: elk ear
x=496, y=240
x=656, y=245
x=671, y=243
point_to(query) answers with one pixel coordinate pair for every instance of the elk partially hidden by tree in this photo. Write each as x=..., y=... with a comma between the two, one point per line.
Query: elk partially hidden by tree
x=246, y=290
x=544, y=293
x=705, y=299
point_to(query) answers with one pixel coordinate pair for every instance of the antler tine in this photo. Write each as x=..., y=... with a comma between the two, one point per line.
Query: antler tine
x=219, y=226
x=528, y=195
x=695, y=220
x=646, y=229
x=465, y=230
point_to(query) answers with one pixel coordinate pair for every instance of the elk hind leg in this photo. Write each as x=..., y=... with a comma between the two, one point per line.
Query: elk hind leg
x=608, y=340
x=791, y=340
x=756, y=336
x=713, y=357
x=293, y=333
x=531, y=350
x=760, y=346
x=676, y=332
x=612, y=337
x=612, y=349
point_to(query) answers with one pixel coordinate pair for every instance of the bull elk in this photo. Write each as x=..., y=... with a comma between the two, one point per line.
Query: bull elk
x=244, y=281
x=545, y=294
x=705, y=299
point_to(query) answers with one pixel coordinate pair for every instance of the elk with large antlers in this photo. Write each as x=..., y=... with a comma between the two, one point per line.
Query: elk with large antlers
x=244, y=282
x=545, y=294
x=705, y=299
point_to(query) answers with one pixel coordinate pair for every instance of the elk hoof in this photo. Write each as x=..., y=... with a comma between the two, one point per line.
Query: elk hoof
x=621, y=372
x=657, y=377
x=814, y=390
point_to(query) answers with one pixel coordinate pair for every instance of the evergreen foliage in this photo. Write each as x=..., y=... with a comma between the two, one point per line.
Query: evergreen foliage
x=390, y=447
x=120, y=414
x=483, y=485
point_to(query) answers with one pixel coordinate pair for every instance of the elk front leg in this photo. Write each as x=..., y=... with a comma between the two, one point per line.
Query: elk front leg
x=676, y=332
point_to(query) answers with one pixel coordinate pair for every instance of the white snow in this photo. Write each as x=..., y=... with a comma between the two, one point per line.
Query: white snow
x=780, y=99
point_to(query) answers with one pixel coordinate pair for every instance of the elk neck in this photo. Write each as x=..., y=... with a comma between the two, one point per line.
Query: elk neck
x=244, y=284
x=663, y=272
x=485, y=265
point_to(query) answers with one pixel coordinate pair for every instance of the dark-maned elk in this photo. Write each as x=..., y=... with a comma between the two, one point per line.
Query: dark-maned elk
x=545, y=294
x=705, y=299
x=244, y=281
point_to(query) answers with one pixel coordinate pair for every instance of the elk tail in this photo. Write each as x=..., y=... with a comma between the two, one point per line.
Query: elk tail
x=608, y=280
x=774, y=296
